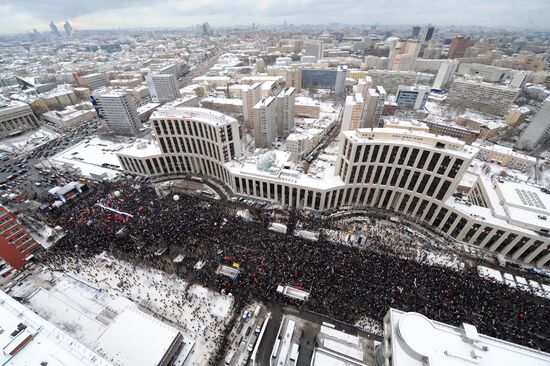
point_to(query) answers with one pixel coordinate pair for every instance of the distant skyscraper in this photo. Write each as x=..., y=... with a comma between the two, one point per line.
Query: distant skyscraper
x=458, y=47
x=54, y=29
x=205, y=28
x=68, y=29
x=37, y=34
x=415, y=31
x=426, y=33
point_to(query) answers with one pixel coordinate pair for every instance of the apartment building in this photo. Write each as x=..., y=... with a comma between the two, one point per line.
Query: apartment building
x=286, y=100
x=265, y=122
x=353, y=112
x=481, y=96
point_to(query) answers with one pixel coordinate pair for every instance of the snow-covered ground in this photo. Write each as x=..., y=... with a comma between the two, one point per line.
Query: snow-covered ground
x=84, y=300
x=534, y=287
x=370, y=326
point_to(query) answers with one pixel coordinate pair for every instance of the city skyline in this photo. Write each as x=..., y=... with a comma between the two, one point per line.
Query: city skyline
x=18, y=17
x=290, y=183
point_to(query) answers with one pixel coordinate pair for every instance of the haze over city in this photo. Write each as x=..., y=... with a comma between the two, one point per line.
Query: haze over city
x=17, y=16
x=274, y=183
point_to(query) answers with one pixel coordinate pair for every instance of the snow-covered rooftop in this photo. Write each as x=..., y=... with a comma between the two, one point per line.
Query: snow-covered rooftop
x=136, y=339
x=94, y=157
x=28, y=339
x=419, y=341
x=197, y=114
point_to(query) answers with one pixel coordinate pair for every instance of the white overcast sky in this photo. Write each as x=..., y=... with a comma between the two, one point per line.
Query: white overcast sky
x=23, y=15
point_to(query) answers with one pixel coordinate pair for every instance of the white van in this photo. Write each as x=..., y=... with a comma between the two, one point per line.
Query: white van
x=229, y=358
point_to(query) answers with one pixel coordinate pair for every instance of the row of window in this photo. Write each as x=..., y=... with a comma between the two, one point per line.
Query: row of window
x=401, y=155
x=18, y=123
x=26, y=245
x=191, y=128
x=407, y=203
x=174, y=164
x=195, y=146
x=400, y=178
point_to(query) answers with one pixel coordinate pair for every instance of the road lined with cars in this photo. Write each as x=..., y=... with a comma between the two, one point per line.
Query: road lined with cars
x=32, y=174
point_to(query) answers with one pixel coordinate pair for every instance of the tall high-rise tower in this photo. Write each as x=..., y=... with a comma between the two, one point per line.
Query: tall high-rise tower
x=68, y=29
x=118, y=110
x=54, y=29
x=265, y=122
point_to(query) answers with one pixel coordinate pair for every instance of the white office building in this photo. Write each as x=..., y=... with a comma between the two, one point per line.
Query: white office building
x=411, y=339
x=314, y=48
x=538, y=129
x=118, y=110
x=405, y=170
x=163, y=87
x=265, y=122
x=412, y=97
x=445, y=74
x=187, y=140
x=489, y=73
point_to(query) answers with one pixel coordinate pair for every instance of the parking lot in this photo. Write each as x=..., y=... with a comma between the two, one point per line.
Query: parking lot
x=31, y=173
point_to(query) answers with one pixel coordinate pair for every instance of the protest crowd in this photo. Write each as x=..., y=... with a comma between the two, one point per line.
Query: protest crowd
x=130, y=221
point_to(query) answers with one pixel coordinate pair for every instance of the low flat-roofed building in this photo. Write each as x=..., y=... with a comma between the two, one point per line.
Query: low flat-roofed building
x=214, y=81
x=224, y=105
x=146, y=110
x=28, y=339
x=505, y=156
x=487, y=126
x=137, y=339
x=184, y=101
x=307, y=108
x=16, y=117
x=411, y=339
x=69, y=118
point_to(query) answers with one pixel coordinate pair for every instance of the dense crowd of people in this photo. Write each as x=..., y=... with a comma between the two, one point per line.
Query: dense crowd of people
x=344, y=282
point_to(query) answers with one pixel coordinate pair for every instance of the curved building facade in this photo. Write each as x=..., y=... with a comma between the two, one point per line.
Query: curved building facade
x=404, y=170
